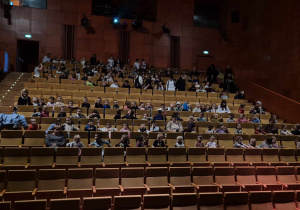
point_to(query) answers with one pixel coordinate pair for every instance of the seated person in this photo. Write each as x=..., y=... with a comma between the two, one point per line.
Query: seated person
x=85, y=103
x=76, y=143
x=62, y=112
x=51, y=102
x=59, y=101
x=94, y=115
x=239, y=143
x=143, y=128
x=284, y=131
x=199, y=142
x=90, y=126
x=159, y=115
x=231, y=118
x=191, y=125
x=211, y=143
x=124, y=142
x=154, y=127
x=239, y=129
x=33, y=125
x=55, y=139
x=242, y=119
x=45, y=112
x=141, y=141
x=79, y=114
x=215, y=118
x=252, y=143
x=296, y=131
x=271, y=128
x=24, y=99
x=98, y=142
x=254, y=119
x=201, y=117
x=108, y=128
x=129, y=115
x=174, y=125
x=210, y=129
x=57, y=122
x=159, y=142
x=267, y=144
x=106, y=105
x=179, y=142
x=259, y=130
x=69, y=125
x=116, y=104
x=221, y=129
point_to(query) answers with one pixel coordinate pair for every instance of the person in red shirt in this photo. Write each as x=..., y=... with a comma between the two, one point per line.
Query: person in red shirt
x=33, y=125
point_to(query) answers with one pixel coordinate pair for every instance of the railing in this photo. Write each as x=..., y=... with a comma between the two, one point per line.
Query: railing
x=278, y=104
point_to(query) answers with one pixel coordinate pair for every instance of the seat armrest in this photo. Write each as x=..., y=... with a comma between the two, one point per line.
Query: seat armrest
x=265, y=186
x=94, y=189
x=190, y=163
x=127, y=164
x=220, y=186
x=282, y=184
x=149, y=164
x=243, y=186
x=53, y=165
x=79, y=165
x=26, y=166
x=103, y=164
x=65, y=190
x=122, y=189
x=173, y=188
x=34, y=191
x=197, y=187
x=3, y=191
x=170, y=163
x=147, y=187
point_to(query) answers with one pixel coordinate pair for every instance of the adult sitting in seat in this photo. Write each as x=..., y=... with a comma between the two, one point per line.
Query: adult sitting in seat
x=12, y=121
x=239, y=143
x=159, y=115
x=174, y=125
x=24, y=99
x=79, y=114
x=55, y=139
x=271, y=128
x=267, y=144
x=154, y=127
x=223, y=108
x=259, y=109
x=129, y=115
x=57, y=122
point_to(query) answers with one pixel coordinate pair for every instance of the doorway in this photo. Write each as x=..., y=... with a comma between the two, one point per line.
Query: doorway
x=203, y=62
x=27, y=55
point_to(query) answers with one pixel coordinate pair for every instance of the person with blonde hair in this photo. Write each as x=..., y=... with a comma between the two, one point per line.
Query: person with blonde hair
x=24, y=99
x=76, y=143
x=179, y=142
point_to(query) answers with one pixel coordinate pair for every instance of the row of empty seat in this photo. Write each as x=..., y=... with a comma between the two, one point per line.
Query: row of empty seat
x=114, y=157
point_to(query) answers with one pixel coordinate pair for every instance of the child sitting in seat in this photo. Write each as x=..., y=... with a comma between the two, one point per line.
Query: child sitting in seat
x=141, y=141
x=238, y=129
x=199, y=142
x=143, y=128
x=231, y=118
x=35, y=101
x=76, y=143
x=241, y=109
x=44, y=112
x=239, y=143
x=51, y=102
x=33, y=125
x=201, y=117
x=210, y=129
x=85, y=103
x=90, y=126
x=284, y=131
x=211, y=143
x=62, y=112
x=180, y=142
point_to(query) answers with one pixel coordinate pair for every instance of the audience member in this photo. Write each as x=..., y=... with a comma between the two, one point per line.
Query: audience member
x=55, y=139
x=90, y=126
x=211, y=143
x=259, y=130
x=199, y=142
x=124, y=142
x=239, y=129
x=271, y=128
x=239, y=143
x=98, y=142
x=284, y=131
x=69, y=125
x=179, y=142
x=57, y=122
x=201, y=117
x=221, y=129
x=24, y=99
x=141, y=141
x=174, y=125
x=79, y=114
x=159, y=142
x=33, y=125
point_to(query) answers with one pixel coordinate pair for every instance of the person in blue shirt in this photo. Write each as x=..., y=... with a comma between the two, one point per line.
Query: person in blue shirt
x=106, y=105
x=254, y=119
x=90, y=126
x=159, y=116
x=99, y=142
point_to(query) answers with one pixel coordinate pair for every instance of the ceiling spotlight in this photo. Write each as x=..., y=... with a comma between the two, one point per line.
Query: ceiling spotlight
x=116, y=20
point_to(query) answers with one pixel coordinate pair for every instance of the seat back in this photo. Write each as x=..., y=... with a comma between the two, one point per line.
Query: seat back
x=286, y=174
x=261, y=200
x=157, y=155
x=128, y=202
x=216, y=155
x=135, y=154
x=107, y=178
x=224, y=175
x=176, y=155
x=270, y=155
x=211, y=200
x=5, y=205
x=157, y=176
x=284, y=199
x=61, y=204
x=132, y=177
x=51, y=179
x=287, y=155
x=114, y=155
x=225, y=140
x=11, y=138
x=16, y=156
x=266, y=175
x=245, y=175
x=235, y=155
x=34, y=138
x=90, y=155
x=253, y=155
x=180, y=176
x=185, y=201
x=197, y=155
x=21, y=180
x=157, y=201
x=67, y=156
x=42, y=156
x=203, y=175
x=2, y=180
x=81, y=178
x=236, y=200
x=103, y=203
x=35, y=205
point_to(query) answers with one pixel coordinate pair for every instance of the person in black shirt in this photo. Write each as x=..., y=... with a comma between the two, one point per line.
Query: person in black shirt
x=126, y=84
x=180, y=84
x=147, y=84
x=118, y=115
x=240, y=95
x=85, y=103
x=24, y=99
x=297, y=130
x=85, y=77
x=129, y=115
x=93, y=60
x=124, y=142
x=98, y=103
x=159, y=142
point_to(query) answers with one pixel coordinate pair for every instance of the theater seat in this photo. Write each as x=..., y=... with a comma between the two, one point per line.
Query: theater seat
x=235, y=156
x=253, y=156
x=211, y=201
x=197, y=157
x=32, y=205
x=66, y=157
x=177, y=157
x=225, y=179
x=62, y=204
x=132, y=202
x=15, y=158
x=102, y=203
x=107, y=182
x=136, y=157
x=267, y=177
x=236, y=201
x=157, y=157
x=157, y=180
x=91, y=157
x=42, y=157
x=284, y=200
x=157, y=202
x=5, y=205
x=216, y=156
x=180, y=180
x=114, y=157
x=245, y=176
x=184, y=201
x=260, y=200
x=287, y=177
x=203, y=179
x=132, y=181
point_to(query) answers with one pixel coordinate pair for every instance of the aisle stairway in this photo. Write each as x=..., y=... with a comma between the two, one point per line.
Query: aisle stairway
x=10, y=87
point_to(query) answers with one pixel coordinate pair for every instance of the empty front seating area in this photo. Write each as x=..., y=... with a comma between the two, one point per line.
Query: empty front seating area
x=151, y=188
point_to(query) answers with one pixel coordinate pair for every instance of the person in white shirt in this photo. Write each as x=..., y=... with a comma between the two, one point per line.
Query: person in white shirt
x=82, y=61
x=37, y=70
x=144, y=65
x=62, y=60
x=115, y=84
x=111, y=61
x=223, y=108
x=55, y=60
x=170, y=84
x=137, y=64
x=47, y=58
x=197, y=108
